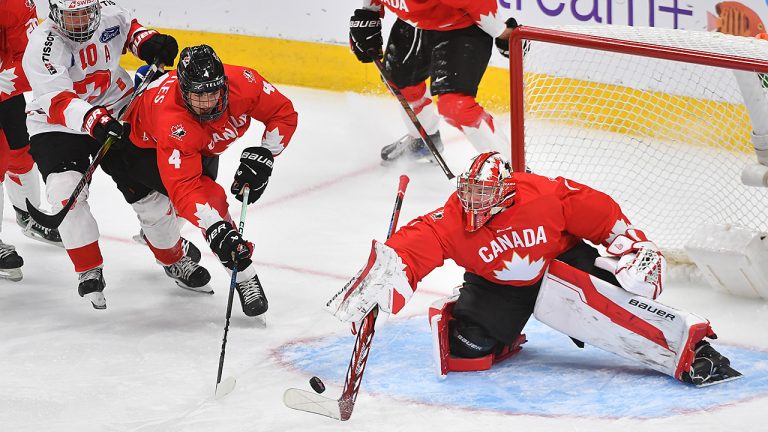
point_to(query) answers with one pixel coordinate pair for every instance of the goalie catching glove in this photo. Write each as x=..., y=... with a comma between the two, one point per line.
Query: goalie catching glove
x=381, y=282
x=636, y=262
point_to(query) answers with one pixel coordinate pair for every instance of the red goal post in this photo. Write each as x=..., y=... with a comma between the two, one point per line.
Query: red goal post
x=597, y=121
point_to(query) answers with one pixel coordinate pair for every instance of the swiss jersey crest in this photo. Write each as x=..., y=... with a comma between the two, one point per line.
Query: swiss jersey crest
x=178, y=132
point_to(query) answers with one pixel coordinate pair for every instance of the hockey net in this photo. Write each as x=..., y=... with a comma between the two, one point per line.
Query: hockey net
x=653, y=117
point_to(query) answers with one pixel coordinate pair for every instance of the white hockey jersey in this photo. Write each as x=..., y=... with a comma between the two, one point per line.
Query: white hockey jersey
x=69, y=78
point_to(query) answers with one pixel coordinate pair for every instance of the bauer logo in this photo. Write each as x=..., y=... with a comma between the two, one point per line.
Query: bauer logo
x=109, y=34
x=652, y=309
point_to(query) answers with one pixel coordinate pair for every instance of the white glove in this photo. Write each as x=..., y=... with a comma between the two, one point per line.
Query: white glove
x=637, y=264
x=381, y=282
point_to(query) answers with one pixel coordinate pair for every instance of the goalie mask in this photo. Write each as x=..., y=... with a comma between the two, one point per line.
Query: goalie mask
x=76, y=19
x=202, y=82
x=485, y=189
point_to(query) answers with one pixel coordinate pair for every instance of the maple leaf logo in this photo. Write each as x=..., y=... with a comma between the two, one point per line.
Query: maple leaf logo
x=519, y=268
x=6, y=80
x=273, y=140
x=206, y=215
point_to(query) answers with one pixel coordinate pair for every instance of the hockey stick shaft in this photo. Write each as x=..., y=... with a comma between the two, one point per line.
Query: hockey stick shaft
x=412, y=115
x=367, y=328
x=54, y=220
x=232, y=284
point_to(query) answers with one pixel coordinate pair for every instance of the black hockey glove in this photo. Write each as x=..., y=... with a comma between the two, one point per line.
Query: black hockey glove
x=254, y=171
x=161, y=46
x=229, y=245
x=503, y=44
x=365, y=34
x=100, y=125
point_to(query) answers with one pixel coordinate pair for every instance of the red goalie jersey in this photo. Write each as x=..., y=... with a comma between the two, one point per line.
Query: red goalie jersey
x=516, y=246
x=161, y=120
x=445, y=15
x=17, y=20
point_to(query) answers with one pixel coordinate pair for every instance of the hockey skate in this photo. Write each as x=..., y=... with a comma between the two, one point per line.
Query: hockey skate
x=409, y=148
x=92, y=287
x=190, y=250
x=35, y=231
x=10, y=263
x=252, y=297
x=189, y=275
x=709, y=367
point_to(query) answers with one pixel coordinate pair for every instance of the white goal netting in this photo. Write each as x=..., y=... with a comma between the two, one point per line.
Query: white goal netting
x=666, y=139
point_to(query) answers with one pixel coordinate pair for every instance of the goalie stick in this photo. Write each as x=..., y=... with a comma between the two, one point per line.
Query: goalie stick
x=412, y=115
x=341, y=408
x=53, y=221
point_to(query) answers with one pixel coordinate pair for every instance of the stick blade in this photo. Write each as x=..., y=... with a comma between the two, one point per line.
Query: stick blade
x=46, y=220
x=225, y=387
x=311, y=402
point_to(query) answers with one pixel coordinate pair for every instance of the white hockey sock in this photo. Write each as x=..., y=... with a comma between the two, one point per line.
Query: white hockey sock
x=484, y=139
x=24, y=186
x=158, y=221
x=79, y=228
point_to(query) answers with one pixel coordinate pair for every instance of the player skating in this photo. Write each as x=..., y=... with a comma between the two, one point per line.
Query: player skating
x=79, y=88
x=507, y=230
x=451, y=45
x=18, y=172
x=189, y=117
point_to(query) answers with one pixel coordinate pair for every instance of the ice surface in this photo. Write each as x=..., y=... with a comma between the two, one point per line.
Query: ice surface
x=148, y=363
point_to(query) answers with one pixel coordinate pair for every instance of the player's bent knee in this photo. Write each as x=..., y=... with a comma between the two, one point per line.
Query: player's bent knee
x=59, y=186
x=460, y=110
x=468, y=340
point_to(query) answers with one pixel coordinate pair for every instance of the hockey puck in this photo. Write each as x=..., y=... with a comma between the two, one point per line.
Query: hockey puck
x=316, y=384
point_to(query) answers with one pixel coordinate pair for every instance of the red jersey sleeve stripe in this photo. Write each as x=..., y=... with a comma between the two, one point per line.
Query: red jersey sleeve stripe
x=59, y=103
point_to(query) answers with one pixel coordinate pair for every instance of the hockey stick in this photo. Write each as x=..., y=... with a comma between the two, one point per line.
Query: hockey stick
x=341, y=408
x=223, y=389
x=53, y=221
x=412, y=115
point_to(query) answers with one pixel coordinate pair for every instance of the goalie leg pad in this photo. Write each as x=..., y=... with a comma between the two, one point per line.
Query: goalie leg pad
x=448, y=346
x=608, y=317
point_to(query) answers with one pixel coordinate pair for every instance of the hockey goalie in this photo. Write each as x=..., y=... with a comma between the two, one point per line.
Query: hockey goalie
x=521, y=239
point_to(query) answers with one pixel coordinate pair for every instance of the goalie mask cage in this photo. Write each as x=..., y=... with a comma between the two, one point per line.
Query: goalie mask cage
x=653, y=117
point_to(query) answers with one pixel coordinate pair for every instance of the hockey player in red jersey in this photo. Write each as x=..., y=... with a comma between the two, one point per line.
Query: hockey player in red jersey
x=17, y=170
x=192, y=115
x=520, y=238
x=72, y=62
x=451, y=44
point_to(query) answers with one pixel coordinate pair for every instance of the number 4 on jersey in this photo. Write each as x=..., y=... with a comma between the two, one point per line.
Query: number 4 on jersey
x=175, y=159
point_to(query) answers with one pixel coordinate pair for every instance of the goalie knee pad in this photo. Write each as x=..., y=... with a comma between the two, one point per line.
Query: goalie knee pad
x=468, y=340
x=457, y=345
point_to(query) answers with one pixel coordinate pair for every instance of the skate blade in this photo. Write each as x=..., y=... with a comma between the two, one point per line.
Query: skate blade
x=205, y=289
x=34, y=236
x=225, y=387
x=13, y=275
x=734, y=375
x=97, y=300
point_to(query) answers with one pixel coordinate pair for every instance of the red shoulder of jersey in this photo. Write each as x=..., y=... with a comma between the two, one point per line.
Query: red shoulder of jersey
x=161, y=118
x=18, y=19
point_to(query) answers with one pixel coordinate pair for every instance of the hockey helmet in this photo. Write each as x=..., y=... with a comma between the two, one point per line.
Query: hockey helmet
x=202, y=82
x=485, y=189
x=76, y=19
